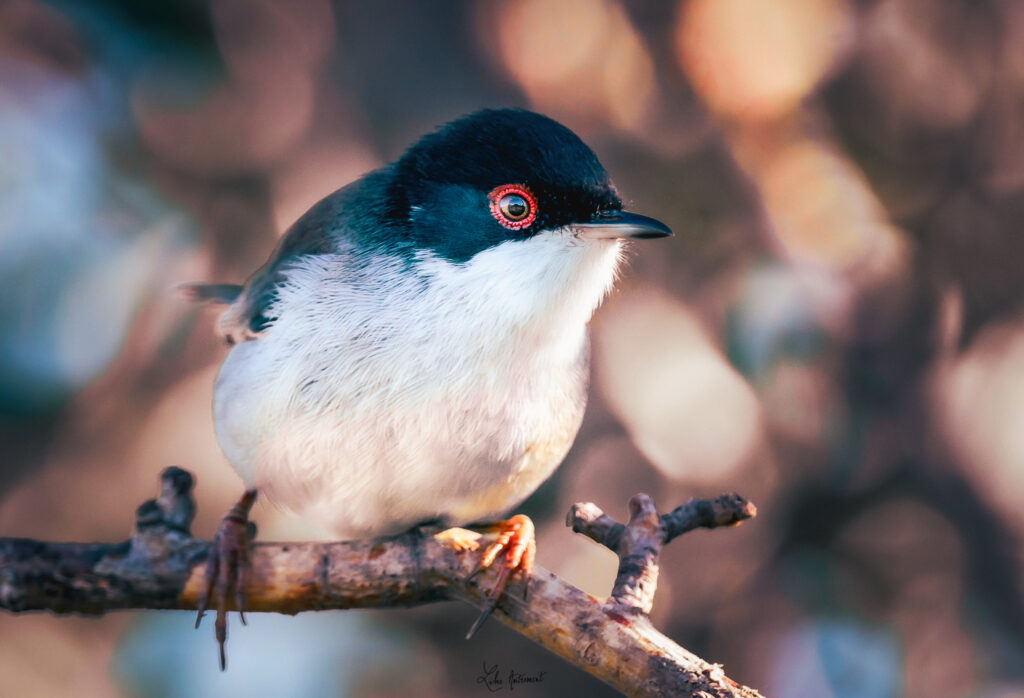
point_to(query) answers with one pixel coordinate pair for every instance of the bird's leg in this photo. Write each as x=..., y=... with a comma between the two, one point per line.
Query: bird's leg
x=516, y=540
x=228, y=567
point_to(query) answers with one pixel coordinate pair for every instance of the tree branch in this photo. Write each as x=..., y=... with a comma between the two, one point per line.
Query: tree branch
x=639, y=542
x=160, y=567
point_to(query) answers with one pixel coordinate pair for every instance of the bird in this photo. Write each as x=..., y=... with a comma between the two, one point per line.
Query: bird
x=416, y=349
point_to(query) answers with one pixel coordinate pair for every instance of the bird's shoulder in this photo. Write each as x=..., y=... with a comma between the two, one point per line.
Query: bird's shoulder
x=354, y=216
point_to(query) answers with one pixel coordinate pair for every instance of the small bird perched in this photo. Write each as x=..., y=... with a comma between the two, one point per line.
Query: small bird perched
x=416, y=349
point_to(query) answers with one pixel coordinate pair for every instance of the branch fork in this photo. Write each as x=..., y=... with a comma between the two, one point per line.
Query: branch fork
x=639, y=542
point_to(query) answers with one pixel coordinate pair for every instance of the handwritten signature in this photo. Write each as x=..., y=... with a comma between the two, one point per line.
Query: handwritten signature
x=494, y=681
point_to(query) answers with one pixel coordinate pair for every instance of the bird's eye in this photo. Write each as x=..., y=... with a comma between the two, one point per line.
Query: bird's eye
x=513, y=205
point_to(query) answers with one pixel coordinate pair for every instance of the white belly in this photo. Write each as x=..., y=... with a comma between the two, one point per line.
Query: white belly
x=454, y=403
x=455, y=456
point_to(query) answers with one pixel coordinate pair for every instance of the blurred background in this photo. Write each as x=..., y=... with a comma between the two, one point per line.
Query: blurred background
x=836, y=331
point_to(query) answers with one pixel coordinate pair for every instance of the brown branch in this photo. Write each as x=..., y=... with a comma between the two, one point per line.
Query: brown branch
x=639, y=542
x=160, y=567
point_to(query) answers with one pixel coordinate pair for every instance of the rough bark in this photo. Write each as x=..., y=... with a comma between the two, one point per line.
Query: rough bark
x=161, y=567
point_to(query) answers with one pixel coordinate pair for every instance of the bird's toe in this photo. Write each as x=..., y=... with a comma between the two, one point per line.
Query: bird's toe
x=228, y=569
x=516, y=543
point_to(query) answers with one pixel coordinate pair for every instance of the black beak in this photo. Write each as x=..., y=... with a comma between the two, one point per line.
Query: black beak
x=619, y=224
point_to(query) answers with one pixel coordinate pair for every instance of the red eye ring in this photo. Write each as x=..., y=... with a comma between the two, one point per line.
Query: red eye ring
x=506, y=201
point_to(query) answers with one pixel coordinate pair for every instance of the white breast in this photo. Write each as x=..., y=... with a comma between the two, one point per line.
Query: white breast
x=387, y=394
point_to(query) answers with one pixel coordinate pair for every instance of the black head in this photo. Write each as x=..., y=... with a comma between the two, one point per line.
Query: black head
x=493, y=176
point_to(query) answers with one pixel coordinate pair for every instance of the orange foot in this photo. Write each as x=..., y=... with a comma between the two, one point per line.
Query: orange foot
x=516, y=540
x=459, y=539
x=228, y=567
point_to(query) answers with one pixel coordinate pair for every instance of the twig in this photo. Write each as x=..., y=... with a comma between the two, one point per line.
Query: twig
x=639, y=542
x=160, y=567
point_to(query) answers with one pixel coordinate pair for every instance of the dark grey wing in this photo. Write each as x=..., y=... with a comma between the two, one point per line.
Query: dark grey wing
x=321, y=230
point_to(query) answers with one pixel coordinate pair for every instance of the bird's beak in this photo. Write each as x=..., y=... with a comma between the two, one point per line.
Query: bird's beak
x=619, y=224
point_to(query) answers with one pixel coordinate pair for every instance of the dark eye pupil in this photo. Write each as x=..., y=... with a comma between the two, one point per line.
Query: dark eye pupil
x=514, y=207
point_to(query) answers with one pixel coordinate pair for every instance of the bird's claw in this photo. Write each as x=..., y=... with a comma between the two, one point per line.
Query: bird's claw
x=228, y=568
x=516, y=539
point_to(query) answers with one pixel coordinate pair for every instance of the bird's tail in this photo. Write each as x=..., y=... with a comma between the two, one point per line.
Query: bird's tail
x=211, y=293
